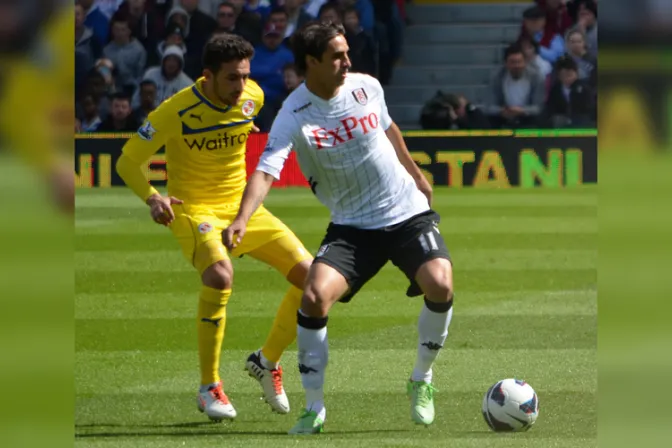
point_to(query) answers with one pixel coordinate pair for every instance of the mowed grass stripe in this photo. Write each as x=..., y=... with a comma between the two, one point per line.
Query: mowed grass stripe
x=244, y=303
x=384, y=332
x=149, y=437
x=450, y=225
x=362, y=414
x=476, y=259
x=290, y=210
x=443, y=197
x=161, y=241
x=124, y=372
x=125, y=282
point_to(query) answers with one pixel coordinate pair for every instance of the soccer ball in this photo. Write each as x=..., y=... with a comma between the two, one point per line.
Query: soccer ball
x=510, y=405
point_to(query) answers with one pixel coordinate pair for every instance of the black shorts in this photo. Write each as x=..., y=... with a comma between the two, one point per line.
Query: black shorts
x=358, y=254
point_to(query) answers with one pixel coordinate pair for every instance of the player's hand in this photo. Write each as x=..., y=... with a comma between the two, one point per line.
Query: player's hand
x=161, y=210
x=233, y=235
x=425, y=187
x=255, y=128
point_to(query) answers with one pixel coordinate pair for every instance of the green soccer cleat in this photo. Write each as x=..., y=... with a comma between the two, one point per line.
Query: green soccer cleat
x=309, y=423
x=422, y=402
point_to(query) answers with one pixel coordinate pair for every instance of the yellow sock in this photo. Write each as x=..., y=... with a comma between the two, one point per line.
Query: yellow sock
x=211, y=324
x=283, y=331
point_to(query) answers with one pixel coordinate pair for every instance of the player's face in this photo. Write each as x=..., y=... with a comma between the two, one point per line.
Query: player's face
x=335, y=62
x=230, y=81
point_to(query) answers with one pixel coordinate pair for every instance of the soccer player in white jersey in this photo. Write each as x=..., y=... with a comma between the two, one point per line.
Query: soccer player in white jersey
x=357, y=163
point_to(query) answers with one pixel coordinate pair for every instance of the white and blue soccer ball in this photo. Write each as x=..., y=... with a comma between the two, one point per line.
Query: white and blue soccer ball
x=510, y=405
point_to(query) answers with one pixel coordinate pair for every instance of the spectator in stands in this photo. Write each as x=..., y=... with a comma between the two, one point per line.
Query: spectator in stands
x=330, y=12
x=174, y=36
x=147, y=25
x=575, y=42
x=86, y=43
x=127, y=54
x=227, y=22
x=279, y=17
x=297, y=16
x=248, y=24
x=147, y=100
x=571, y=102
x=363, y=52
x=533, y=58
x=389, y=33
x=201, y=26
x=558, y=19
x=209, y=7
x=269, y=59
x=518, y=92
x=96, y=20
x=121, y=119
x=100, y=83
x=291, y=80
x=465, y=115
x=169, y=77
x=108, y=7
x=89, y=117
x=586, y=19
x=551, y=45
x=261, y=8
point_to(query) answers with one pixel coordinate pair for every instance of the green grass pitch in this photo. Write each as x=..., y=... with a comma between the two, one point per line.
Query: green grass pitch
x=526, y=307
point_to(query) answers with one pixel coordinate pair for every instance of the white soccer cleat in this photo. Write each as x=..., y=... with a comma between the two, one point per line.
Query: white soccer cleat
x=271, y=383
x=215, y=404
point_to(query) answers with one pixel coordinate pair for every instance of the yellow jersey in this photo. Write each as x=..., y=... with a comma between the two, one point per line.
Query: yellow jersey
x=205, y=146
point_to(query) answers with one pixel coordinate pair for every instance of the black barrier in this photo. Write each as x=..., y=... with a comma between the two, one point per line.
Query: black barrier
x=516, y=159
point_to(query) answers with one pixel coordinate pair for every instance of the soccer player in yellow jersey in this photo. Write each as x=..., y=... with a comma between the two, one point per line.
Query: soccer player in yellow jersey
x=204, y=129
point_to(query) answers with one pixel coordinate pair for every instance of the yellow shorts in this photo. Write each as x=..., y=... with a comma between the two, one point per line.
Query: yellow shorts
x=267, y=238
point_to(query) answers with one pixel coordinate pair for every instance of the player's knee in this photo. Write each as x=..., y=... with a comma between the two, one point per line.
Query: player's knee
x=218, y=276
x=440, y=291
x=315, y=302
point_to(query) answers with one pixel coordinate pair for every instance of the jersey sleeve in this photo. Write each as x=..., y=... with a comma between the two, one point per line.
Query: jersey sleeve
x=385, y=119
x=281, y=141
x=160, y=126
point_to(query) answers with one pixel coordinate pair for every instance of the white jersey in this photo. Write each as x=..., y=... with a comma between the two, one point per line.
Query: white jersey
x=343, y=151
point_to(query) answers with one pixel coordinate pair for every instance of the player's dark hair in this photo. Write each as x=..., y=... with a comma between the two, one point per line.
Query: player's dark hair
x=223, y=48
x=312, y=40
x=512, y=49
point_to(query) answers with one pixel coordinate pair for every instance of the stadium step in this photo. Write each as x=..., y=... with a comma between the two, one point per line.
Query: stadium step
x=466, y=34
x=466, y=12
x=405, y=113
x=443, y=74
x=453, y=54
x=406, y=94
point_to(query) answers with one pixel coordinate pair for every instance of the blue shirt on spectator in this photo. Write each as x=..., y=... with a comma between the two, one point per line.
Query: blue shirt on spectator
x=366, y=17
x=554, y=50
x=99, y=23
x=266, y=68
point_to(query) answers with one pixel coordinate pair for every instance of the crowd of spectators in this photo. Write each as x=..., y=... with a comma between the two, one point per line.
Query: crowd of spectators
x=548, y=78
x=133, y=54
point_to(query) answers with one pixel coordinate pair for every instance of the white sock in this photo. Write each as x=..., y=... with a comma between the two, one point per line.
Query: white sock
x=432, y=331
x=313, y=358
x=266, y=363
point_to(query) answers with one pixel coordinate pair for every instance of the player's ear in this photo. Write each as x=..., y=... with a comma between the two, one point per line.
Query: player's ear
x=207, y=73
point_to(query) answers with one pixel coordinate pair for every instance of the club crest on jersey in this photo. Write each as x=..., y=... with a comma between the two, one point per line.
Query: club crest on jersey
x=146, y=131
x=248, y=108
x=360, y=96
x=205, y=227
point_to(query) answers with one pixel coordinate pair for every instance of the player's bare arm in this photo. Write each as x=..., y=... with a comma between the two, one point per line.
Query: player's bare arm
x=394, y=135
x=255, y=192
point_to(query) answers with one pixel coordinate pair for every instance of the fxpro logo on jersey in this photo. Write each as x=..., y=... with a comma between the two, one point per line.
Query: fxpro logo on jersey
x=329, y=138
x=220, y=141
